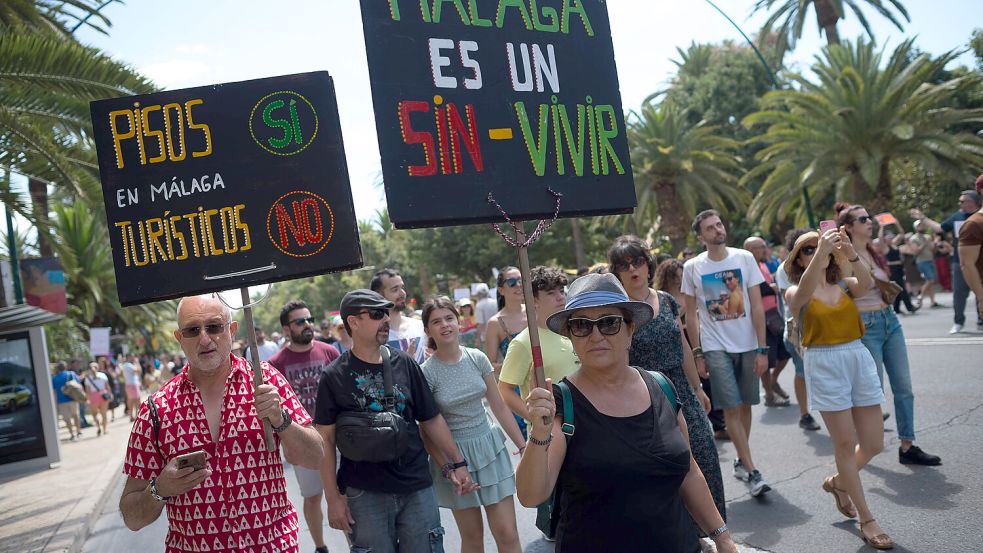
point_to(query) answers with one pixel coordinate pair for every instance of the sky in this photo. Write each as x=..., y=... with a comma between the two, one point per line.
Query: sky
x=184, y=43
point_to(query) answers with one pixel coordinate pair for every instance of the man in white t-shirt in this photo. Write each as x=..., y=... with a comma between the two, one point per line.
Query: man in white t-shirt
x=726, y=324
x=405, y=333
x=484, y=309
x=265, y=348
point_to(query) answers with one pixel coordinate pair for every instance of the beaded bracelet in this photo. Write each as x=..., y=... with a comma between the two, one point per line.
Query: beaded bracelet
x=545, y=443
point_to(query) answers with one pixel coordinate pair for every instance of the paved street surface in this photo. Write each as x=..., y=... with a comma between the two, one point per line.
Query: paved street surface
x=923, y=508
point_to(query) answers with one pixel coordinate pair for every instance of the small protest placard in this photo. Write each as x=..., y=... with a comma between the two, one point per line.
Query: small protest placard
x=512, y=97
x=225, y=186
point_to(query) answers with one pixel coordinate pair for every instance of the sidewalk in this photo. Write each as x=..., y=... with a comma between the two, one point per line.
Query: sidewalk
x=53, y=510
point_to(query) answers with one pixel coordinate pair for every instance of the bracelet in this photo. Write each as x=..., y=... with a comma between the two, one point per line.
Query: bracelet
x=544, y=443
x=448, y=468
x=718, y=531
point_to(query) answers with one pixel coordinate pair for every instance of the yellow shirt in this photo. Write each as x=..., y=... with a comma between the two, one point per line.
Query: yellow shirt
x=829, y=325
x=559, y=359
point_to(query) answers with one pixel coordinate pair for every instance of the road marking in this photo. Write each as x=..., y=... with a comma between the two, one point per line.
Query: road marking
x=500, y=134
x=968, y=341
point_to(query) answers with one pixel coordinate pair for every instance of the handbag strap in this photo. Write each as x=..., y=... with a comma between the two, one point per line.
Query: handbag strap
x=389, y=399
x=567, y=427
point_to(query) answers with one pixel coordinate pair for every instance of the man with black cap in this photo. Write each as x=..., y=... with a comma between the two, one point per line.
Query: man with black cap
x=387, y=506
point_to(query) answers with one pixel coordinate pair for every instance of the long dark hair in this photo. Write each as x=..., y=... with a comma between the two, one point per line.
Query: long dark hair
x=501, y=283
x=433, y=304
x=845, y=216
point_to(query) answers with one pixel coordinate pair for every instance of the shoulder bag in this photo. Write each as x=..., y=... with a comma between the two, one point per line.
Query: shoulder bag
x=374, y=436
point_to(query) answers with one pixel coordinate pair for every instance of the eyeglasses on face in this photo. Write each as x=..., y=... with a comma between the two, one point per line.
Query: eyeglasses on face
x=301, y=321
x=623, y=266
x=607, y=325
x=513, y=282
x=213, y=329
x=376, y=314
x=729, y=278
x=808, y=250
x=864, y=219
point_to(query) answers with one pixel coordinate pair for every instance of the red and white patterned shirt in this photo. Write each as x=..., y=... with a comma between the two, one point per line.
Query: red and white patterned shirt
x=243, y=505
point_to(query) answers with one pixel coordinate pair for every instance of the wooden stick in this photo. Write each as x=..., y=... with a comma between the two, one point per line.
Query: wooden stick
x=539, y=379
x=247, y=313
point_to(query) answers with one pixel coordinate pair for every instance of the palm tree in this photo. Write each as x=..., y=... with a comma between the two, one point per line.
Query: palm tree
x=680, y=167
x=790, y=16
x=838, y=137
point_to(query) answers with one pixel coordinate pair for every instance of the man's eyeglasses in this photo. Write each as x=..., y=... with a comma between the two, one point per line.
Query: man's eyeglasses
x=609, y=325
x=302, y=320
x=623, y=266
x=376, y=314
x=513, y=282
x=808, y=250
x=729, y=278
x=213, y=329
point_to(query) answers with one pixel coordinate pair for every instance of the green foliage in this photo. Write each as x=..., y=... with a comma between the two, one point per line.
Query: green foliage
x=839, y=136
x=58, y=18
x=681, y=168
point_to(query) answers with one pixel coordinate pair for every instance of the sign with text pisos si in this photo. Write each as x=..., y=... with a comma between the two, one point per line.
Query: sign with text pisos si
x=224, y=186
x=510, y=97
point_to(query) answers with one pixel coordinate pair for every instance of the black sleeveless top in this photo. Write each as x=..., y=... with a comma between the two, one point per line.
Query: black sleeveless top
x=621, y=479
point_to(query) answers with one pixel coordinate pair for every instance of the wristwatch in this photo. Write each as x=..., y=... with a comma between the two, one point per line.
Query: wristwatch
x=287, y=421
x=762, y=350
x=154, y=493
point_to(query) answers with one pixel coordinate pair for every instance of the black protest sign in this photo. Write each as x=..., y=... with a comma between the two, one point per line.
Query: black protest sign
x=510, y=97
x=224, y=186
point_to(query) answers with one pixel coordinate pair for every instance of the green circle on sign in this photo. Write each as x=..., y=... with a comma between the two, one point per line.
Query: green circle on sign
x=283, y=123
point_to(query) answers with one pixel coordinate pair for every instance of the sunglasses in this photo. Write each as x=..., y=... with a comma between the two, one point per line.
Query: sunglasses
x=808, y=250
x=729, y=278
x=623, y=266
x=376, y=314
x=213, y=329
x=864, y=219
x=513, y=282
x=608, y=325
x=302, y=320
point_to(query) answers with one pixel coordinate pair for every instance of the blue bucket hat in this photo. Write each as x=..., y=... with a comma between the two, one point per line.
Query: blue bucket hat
x=594, y=290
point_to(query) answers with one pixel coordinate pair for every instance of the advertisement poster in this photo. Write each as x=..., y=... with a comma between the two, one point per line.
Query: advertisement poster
x=44, y=284
x=99, y=341
x=21, y=433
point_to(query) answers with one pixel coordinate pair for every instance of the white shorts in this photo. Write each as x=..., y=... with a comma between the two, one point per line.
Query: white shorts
x=842, y=376
x=308, y=480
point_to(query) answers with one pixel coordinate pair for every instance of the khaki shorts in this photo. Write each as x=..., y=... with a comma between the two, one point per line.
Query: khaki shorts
x=68, y=409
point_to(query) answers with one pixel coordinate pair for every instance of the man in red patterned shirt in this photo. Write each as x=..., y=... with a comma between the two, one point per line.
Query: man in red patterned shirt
x=237, y=501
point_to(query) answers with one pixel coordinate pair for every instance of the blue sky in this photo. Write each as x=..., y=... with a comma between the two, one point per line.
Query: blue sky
x=182, y=43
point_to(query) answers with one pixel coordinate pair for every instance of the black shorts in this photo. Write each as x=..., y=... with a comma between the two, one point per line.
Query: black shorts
x=776, y=350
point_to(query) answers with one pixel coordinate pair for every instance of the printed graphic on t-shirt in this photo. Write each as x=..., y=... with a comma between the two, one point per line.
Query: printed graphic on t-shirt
x=370, y=389
x=724, y=294
x=304, y=377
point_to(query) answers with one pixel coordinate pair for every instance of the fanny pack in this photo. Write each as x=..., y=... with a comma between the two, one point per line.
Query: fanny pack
x=374, y=436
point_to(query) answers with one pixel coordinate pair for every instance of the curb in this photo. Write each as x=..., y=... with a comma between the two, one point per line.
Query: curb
x=85, y=530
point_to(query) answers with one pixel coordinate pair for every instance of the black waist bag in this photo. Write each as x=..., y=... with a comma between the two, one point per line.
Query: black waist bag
x=374, y=436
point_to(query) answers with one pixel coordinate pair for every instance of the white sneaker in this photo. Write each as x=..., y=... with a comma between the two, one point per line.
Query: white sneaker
x=758, y=483
x=740, y=472
x=956, y=329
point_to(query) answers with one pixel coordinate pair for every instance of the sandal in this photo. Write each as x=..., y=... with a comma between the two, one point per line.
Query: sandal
x=843, y=507
x=880, y=541
x=776, y=401
x=779, y=391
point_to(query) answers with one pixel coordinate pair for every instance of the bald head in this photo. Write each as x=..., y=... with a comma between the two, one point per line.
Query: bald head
x=202, y=300
x=758, y=248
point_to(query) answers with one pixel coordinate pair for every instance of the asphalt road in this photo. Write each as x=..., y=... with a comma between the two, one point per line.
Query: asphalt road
x=938, y=509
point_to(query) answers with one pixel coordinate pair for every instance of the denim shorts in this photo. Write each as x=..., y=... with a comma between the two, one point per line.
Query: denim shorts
x=927, y=269
x=842, y=376
x=732, y=379
x=394, y=522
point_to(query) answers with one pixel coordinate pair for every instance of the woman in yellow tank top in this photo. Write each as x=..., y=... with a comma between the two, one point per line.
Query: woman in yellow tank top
x=841, y=376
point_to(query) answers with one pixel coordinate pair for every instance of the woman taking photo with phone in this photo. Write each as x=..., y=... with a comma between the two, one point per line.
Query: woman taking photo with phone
x=883, y=334
x=626, y=477
x=840, y=373
x=460, y=378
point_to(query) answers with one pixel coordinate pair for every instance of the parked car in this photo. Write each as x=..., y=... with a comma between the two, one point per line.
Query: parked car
x=14, y=396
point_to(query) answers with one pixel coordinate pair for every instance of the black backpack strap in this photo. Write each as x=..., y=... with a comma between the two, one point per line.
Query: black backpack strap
x=154, y=422
x=567, y=428
x=389, y=399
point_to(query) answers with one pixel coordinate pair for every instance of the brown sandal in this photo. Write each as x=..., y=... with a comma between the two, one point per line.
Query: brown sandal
x=843, y=507
x=880, y=541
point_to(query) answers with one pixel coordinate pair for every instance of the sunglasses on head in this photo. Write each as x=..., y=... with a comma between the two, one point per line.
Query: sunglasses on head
x=513, y=282
x=376, y=314
x=623, y=266
x=213, y=329
x=607, y=325
x=808, y=250
x=302, y=320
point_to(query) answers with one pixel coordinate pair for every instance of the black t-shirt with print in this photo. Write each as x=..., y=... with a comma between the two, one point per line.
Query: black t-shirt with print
x=351, y=384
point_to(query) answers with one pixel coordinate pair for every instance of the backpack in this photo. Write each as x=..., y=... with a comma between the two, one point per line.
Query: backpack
x=74, y=390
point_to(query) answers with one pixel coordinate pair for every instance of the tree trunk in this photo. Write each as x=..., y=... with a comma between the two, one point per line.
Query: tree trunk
x=578, y=246
x=883, y=194
x=674, y=223
x=827, y=17
x=425, y=288
x=39, y=210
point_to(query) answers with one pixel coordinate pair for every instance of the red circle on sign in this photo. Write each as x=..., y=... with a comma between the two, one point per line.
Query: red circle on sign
x=300, y=223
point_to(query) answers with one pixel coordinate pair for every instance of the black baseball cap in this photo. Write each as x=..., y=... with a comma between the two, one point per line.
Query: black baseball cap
x=362, y=299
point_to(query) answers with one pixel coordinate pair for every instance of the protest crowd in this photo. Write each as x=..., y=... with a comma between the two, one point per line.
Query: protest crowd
x=388, y=414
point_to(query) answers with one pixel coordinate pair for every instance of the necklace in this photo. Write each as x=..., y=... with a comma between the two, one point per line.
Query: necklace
x=645, y=299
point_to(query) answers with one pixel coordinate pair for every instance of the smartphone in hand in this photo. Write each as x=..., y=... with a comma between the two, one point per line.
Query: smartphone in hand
x=826, y=225
x=194, y=459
